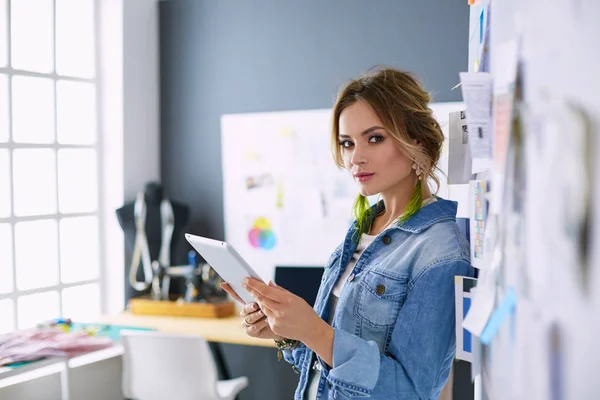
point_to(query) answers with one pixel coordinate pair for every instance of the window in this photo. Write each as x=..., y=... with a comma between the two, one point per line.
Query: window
x=50, y=226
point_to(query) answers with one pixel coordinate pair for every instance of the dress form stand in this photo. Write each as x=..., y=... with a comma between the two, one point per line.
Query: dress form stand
x=162, y=222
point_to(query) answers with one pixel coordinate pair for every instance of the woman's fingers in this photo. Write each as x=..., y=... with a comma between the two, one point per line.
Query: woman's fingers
x=268, y=311
x=255, y=329
x=257, y=288
x=253, y=318
x=249, y=308
x=232, y=292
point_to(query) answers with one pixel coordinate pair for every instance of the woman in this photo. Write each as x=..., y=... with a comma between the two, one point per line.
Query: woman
x=383, y=322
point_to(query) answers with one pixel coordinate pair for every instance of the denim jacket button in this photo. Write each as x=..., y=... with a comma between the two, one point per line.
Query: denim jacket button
x=380, y=289
x=317, y=366
x=386, y=239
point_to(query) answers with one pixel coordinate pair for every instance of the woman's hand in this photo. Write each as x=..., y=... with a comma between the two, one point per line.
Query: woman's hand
x=292, y=317
x=255, y=321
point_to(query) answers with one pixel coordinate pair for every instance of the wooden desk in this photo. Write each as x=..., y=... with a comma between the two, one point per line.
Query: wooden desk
x=222, y=330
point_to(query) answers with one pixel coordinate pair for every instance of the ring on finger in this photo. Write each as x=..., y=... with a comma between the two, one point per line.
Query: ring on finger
x=246, y=321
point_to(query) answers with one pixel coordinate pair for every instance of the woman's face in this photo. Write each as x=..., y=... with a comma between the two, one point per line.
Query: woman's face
x=370, y=154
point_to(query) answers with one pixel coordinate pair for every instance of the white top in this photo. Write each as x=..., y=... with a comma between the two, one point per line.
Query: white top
x=364, y=242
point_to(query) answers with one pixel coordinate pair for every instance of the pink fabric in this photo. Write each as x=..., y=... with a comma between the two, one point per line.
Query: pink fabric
x=33, y=344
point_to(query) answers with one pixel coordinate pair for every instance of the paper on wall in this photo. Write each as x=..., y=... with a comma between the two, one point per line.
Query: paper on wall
x=559, y=227
x=477, y=219
x=477, y=95
x=462, y=300
x=482, y=304
x=460, y=163
x=505, y=308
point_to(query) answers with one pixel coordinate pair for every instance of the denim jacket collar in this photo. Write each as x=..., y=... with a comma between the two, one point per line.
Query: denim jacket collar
x=440, y=210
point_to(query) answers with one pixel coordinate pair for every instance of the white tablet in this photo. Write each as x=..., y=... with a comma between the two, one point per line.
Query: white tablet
x=226, y=261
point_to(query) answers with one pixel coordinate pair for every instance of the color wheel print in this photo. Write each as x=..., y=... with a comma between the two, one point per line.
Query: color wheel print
x=261, y=236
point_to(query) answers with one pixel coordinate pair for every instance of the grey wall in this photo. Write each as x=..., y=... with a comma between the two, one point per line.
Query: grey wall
x=220, y=57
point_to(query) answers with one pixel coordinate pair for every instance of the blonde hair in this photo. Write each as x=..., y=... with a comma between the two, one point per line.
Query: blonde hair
x=402, y=105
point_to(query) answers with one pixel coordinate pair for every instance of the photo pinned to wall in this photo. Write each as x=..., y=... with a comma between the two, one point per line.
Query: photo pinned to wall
x=259, y=181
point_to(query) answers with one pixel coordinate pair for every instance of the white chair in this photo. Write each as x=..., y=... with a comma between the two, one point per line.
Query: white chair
x=159, y=366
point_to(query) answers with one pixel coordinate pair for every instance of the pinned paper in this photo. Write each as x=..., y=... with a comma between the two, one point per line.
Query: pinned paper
x=477, y=95
x=484, y=49
x=482, y=305
x=504, y=309
x=483, y=300
x=462, y=297
x=460, y=162
x=478, y=207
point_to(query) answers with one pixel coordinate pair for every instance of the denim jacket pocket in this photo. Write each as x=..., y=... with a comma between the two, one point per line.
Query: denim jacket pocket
x=381, y=297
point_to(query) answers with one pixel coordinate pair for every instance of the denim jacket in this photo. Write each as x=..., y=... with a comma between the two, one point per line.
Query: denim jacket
x=394, y=326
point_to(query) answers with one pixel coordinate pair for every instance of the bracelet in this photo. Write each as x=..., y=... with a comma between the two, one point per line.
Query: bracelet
x=285, y=344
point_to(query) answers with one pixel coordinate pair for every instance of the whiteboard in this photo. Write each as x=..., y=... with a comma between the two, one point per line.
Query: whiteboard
x=285, y=201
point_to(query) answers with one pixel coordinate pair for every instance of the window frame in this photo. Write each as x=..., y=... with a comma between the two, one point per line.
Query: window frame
x=100, y=211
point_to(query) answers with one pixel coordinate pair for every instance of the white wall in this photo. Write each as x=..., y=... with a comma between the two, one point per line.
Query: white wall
x=130, y=125
x=141, y=139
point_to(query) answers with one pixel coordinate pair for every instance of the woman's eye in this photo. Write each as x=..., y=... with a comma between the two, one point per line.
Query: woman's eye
x=345, y=143
x=375, y=139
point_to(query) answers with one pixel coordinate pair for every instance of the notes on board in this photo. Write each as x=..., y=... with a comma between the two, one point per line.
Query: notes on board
x=477, y=95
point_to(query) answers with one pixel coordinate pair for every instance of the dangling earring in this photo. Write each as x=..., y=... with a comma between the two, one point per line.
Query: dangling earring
x=418, y=170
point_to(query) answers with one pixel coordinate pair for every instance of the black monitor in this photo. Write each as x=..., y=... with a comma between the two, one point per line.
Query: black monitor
x=303, y=281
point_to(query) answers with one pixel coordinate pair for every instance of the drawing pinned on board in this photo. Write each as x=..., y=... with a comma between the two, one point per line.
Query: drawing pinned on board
x=261, y=236
x=477, y=95
x=259, y=181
